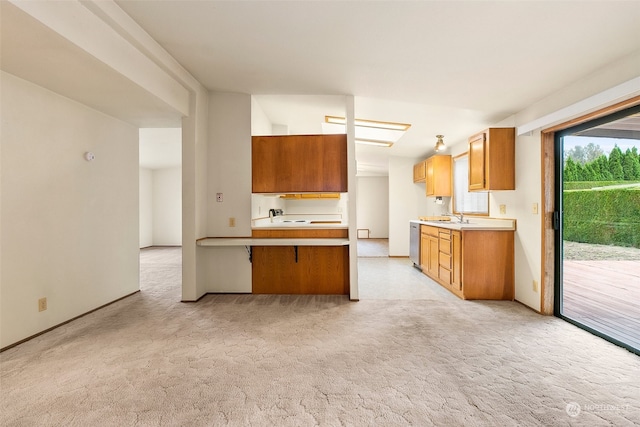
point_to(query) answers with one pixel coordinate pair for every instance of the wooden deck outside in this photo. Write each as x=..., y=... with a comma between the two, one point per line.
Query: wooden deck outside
x=604, y=295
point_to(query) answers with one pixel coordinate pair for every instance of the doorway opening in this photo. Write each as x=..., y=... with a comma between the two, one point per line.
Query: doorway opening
x=372, y=216
x=597, y=221
x=160, y=199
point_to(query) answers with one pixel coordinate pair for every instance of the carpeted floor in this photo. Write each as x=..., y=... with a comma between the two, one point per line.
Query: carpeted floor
x=413, y=358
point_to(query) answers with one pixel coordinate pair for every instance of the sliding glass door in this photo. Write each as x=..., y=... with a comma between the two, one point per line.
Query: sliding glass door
x=598, y=227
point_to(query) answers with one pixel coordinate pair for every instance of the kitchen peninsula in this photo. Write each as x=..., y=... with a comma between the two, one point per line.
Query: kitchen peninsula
x=472, y=260
x=315, y=261
x=304, y=251
x=297, y=241
x=295, y=256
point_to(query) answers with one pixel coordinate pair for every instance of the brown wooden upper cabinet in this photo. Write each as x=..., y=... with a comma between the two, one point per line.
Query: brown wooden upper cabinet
x=299, y=163
x=420, y=171
x=438, y=175
x=492, y=160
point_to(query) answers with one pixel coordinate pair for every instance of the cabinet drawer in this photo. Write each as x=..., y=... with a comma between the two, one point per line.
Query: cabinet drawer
x=445, y=246
x=429, y=230
x=444, y=260
x=445, y=234
x=444, y=275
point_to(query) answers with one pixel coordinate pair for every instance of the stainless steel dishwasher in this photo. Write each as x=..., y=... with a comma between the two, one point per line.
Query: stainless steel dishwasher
x=414, y=244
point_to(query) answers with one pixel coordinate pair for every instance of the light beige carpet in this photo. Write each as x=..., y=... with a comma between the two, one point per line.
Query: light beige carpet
x=244, y=360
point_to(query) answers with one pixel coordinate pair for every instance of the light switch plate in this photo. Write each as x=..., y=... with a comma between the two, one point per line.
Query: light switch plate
x=534, y=208
x=503, y=209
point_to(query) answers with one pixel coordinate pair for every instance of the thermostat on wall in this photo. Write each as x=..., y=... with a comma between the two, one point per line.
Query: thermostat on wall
x=89, y=156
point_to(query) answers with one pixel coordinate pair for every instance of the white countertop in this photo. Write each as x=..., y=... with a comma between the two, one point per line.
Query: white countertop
x=288, y=223
x=289, y=226
x=474, y=224
x=250, y=241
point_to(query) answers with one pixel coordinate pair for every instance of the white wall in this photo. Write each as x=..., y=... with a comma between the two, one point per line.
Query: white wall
x=373, y=205
x=160, y=207
x=405, y=199
x=124, y=47
x=167, y=207
x=195, y=148
x=317, y=208
x=229, y=163
x=260, y=124
x=146, y=207
x=528, y=244
x=529, y=162
x=229, y=172
x=72, y=225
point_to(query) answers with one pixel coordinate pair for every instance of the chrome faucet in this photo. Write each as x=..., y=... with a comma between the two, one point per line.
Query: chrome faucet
x=460, y=217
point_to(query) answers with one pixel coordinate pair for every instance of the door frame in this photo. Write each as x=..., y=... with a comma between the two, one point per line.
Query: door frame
x=548, y=197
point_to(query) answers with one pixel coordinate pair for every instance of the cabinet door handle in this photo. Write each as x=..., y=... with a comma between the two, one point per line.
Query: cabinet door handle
x=295, y=249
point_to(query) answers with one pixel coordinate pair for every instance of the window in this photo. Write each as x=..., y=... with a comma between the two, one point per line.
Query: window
x=476, y=202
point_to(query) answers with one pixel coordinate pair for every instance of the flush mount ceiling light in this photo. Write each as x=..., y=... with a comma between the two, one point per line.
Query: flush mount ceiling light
x=372, y=132
x=369, y=123
x=374, y=142
x=440, y=143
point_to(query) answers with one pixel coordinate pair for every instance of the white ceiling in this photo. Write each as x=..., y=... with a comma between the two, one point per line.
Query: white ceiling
x=446, y=67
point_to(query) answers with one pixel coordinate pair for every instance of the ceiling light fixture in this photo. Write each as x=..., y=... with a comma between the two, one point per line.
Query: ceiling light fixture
x=440, y=143
x=374, y=142
x=369, y=123
x=371, y=132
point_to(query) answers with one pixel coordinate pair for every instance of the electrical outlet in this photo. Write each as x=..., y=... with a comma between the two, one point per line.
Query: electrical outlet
x=534, y=208
x=503, y=209
x=232, y=222
x=218, y=197
x=42, y=304
x=535, y=286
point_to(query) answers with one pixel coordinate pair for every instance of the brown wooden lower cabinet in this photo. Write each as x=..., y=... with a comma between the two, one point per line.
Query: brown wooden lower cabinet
x=429, y=250
x=322, y=270
x=473, y=264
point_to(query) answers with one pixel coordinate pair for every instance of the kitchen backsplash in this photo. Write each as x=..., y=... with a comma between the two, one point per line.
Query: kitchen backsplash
x=434, y=207
x=334, y=208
